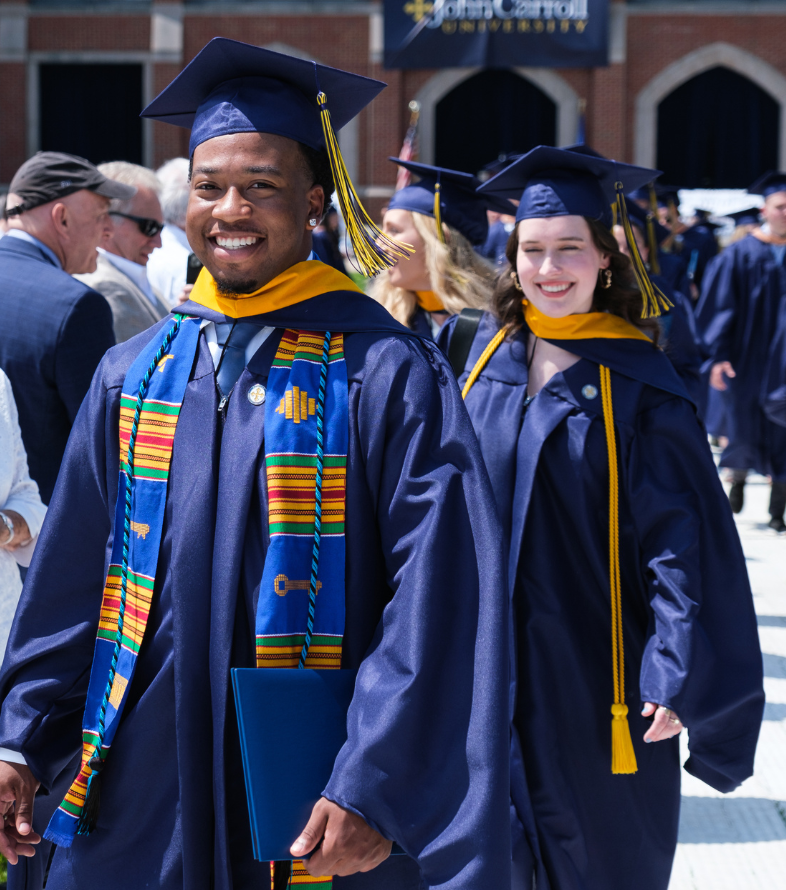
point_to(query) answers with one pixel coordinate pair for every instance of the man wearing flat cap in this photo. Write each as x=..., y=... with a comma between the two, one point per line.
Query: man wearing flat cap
x=277, y=476
x=55, y=330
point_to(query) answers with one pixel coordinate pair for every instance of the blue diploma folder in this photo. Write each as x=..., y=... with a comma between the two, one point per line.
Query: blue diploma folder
x=292, y=725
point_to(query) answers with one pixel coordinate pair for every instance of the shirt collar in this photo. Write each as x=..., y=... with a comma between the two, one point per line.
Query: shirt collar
x=137, y=273
x=31, y=239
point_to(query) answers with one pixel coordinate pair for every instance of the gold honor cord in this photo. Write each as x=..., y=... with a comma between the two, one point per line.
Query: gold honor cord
x=438, y=213
x=654, y=302
x=374, y=250
x=481, y=363
x=623, y=757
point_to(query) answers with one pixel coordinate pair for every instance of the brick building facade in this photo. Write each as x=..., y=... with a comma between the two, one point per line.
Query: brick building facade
x=656, y=48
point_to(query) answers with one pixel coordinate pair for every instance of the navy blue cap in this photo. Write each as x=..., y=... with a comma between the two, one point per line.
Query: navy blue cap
x=560, y=182
x=769, y=184
x=461, y=207
x=497, y=166
x=233, y=87
x=747, y=217
x=639, y=217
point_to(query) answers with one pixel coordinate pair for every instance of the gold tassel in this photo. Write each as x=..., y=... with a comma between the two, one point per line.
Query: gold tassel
x=652, y=240
x=654, y=302
x=623, y=757
x=374, y=250
x=438, y=213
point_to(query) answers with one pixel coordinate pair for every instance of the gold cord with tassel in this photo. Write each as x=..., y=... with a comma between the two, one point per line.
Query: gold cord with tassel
x=481, y=363
x=623, y=757
x=374, y=250
x=438, y=212
x=654, y=302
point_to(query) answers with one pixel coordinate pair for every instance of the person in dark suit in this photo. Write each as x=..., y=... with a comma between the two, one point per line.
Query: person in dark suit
x=54, y=330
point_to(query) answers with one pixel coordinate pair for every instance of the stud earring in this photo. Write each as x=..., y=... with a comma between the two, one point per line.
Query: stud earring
x=312, y=223
x=515, y=279
x=606, y=279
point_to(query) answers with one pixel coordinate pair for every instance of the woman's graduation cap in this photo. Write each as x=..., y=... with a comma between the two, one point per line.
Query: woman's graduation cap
x=449, y=196
x=233, y=87
x=748, y=217
x=560, y=182
x=769, y=184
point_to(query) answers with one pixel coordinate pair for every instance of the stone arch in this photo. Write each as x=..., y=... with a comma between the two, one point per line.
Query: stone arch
x=713, y=55
x=349, y=135
x=555, y=87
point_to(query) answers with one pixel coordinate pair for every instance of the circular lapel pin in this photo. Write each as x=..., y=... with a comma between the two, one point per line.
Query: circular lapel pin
x=589, y=391
x=257, y=393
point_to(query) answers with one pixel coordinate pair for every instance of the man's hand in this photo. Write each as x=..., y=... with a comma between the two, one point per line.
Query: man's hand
x=349, y=844
x=665, y=725
x=718, y=372
x=17, y=791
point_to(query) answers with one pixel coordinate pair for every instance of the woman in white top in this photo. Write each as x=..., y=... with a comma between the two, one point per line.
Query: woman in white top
x=21, y=510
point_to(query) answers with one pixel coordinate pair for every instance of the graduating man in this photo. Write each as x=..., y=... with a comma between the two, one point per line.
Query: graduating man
x=282, y=412
x=737, y=319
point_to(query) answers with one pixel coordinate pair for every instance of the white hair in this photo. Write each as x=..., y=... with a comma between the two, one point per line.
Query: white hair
x=129, y=174
x=175, y=187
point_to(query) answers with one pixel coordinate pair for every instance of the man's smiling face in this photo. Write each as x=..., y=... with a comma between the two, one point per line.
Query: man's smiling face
x=252, y=196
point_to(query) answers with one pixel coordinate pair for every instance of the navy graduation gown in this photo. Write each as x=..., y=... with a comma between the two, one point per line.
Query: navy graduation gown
x=426, y=759
x=689, y=627
x=774, y=387
x=737, y=320
x=679, y=339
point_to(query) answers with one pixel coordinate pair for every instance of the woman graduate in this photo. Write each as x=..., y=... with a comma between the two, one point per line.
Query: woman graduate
x=444, y=219
x=631, y=605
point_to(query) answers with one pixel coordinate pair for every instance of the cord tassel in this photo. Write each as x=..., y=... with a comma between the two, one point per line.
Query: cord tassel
x=652, y=240
x=438, y=212
x=654, y=302
x=374, y=250
x=623, y=757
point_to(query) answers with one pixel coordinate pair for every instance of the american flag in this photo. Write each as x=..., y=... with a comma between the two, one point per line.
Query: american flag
x=409, y=150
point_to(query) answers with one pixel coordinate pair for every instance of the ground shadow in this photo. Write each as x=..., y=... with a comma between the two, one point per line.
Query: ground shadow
x=731, y=820
x=771, y=620
x=774, y=711
x=774, y=665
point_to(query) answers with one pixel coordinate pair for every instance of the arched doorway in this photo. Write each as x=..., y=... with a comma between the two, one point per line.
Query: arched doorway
x=717, y=130
x=491, y=113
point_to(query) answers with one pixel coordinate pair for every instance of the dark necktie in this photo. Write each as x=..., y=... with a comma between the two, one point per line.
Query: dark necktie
x=233, y=338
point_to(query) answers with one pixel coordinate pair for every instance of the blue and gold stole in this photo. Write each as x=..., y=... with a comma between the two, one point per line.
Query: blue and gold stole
x=149, y=408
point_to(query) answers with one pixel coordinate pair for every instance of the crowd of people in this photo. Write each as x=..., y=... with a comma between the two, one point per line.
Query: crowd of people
x=486, y=483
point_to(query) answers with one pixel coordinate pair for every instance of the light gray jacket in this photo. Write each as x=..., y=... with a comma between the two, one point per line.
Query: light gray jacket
x=132, y=310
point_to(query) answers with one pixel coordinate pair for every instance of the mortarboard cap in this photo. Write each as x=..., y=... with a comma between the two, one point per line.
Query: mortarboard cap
x=769, y=184
x=747, y=217
x=497, y=166
x=232, y=87
x=50, y=175
x=561, y=182
x=460, y=205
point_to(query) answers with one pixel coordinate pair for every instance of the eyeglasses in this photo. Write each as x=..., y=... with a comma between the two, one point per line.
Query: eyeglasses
x=148, y=227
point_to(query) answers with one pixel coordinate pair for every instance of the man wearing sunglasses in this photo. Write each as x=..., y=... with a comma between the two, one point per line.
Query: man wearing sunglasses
x=135, y=233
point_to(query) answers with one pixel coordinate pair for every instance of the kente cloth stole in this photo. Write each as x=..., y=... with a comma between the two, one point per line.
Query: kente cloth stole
x=149, y=408
x=306, y=442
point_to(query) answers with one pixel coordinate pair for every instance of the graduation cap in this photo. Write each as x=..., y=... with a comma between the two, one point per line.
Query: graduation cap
x=769, y=184
x=233, y=87
x=497, y=166
x=560, y=182
x=449, y=196
x=747, y=217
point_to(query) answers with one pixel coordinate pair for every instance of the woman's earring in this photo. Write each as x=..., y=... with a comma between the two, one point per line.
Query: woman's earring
x=515, y=279
x=606, y=279
x=312, y=223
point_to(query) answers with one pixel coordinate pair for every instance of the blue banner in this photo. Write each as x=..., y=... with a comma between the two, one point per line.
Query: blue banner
x=496, y=33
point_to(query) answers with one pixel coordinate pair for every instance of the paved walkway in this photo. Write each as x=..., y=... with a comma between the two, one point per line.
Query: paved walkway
x=738, y=841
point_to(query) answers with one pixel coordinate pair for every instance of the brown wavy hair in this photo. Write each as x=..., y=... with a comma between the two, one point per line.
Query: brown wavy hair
x=623, y=298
